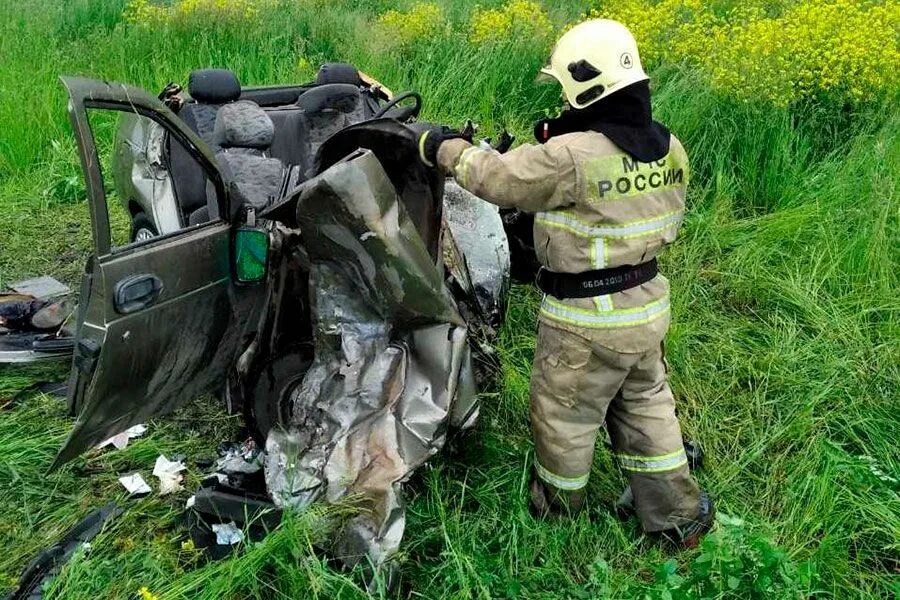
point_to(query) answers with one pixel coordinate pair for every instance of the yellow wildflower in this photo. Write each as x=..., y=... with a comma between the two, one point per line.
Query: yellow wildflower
x=517, y=19
x=145, y=12
x=189, y=12
x=777, y=50
x=146, y=594
x=422, y=20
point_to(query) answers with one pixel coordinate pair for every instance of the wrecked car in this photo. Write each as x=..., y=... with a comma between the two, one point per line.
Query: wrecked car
x=283, y=246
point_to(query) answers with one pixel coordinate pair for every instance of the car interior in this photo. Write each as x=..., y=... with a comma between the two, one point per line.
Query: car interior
x=266, y=139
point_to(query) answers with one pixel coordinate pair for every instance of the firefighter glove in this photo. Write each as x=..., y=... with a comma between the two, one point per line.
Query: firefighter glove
x=431, y=138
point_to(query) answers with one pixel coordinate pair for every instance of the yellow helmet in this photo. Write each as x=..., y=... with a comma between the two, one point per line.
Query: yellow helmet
x=594, y=59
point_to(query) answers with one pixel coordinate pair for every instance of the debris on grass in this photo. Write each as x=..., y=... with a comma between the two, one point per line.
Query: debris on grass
x=169, y=474
x=41, y=287
x=135, y=484
x=239, y=458
x=120, y=440
x=33, y=318
x=47, y=564
x=227, y=534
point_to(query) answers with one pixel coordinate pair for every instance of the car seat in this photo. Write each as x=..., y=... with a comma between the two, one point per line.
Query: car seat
x=329, y=108
x=337, y=99
x=210, y=89
x=318, y=114
x=348, y=73
x=291, y=142
x=243, y=133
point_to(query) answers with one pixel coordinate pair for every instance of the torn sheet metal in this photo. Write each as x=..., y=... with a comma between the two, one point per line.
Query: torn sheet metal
x=480, y=259
x=392, y=370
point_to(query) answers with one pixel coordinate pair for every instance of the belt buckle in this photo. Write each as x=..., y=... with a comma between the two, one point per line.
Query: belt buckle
x=538, y=278
x=543, y=285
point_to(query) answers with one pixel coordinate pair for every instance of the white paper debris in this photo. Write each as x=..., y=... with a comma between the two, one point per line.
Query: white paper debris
x=135, y=484
x=190, y=502
x=169, y=474
x=227, y=534
x=120, y=440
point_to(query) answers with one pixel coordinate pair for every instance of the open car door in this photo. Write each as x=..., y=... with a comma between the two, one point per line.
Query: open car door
x=160, y=320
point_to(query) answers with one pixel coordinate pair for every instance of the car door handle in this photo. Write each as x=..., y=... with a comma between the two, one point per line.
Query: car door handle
x=136, y=292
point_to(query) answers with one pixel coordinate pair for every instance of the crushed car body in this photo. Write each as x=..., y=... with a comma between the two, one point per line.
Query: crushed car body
x=324, y=282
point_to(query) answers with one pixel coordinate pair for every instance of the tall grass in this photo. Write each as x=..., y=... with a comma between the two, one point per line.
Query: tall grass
x=785, y=347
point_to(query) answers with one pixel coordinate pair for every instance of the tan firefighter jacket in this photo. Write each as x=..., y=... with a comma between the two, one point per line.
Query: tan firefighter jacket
x=596, y=207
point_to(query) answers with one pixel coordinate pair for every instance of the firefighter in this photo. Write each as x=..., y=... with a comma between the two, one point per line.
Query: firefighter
x=607, y=186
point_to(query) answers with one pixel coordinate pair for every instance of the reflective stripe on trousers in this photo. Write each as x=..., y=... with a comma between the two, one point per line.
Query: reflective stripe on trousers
x=558, y=481
x=653, y=464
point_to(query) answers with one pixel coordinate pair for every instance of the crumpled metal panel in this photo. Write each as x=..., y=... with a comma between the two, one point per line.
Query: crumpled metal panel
x=392, y=369
x=477, y=229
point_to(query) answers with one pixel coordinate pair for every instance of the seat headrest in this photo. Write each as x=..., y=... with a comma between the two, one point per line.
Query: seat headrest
x=243, y=124
x=338, y=73
x=214, y=86
x=342, y=97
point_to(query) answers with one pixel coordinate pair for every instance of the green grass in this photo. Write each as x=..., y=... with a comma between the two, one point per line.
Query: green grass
x=785, y=347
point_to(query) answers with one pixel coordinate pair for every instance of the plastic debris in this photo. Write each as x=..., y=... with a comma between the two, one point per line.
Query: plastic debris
x=46, y=565
x=120, y=440
x=227, y=534
x=190, y=502
x=239, y=458
x=169, y=474
x=135, y=484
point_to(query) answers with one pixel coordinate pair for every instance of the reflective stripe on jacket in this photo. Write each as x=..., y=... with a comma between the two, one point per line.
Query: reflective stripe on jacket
x=596, y=207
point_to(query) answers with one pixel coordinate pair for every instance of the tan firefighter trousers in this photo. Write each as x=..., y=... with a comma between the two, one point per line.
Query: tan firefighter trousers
x=575, y=387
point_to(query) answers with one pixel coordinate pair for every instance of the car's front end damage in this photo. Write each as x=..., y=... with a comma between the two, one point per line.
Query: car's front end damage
x=390, y=372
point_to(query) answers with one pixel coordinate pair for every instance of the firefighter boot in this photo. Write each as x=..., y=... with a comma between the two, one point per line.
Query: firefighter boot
x=688, y=535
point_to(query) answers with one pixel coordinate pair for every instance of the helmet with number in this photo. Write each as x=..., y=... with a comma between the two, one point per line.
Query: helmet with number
x=593, y=60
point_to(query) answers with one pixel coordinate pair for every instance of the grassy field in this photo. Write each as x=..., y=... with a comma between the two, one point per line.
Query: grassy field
x=785, y=347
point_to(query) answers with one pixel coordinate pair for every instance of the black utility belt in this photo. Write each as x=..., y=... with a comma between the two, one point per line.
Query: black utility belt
x=595, y=283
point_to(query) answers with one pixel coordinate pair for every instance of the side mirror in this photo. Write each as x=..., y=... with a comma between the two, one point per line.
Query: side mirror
x=250, y=254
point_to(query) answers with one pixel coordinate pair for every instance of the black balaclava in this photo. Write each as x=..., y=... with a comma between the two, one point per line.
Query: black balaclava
x=624, y=116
